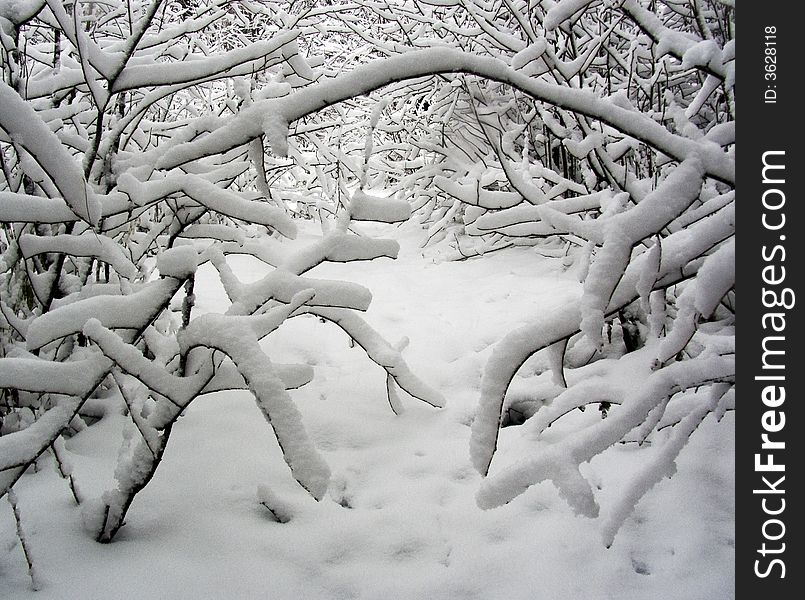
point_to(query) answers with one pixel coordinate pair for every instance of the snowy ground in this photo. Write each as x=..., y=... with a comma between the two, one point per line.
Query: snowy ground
x=400, y=520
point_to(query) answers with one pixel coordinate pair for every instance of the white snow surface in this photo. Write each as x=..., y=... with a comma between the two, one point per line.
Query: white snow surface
x=179, y=262
x=399, y=520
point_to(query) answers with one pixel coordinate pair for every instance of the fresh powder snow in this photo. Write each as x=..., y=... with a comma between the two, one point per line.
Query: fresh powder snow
x=224, y=518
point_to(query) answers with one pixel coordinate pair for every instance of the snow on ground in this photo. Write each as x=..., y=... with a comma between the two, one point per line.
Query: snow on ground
x=399, y=520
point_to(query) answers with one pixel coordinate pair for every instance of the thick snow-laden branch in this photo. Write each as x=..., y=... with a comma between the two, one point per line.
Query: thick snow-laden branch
x=89, y=244
x=475, y=195
x=20, y=448
x=173, y=31
x=74, y=378
x=623, y=230
x=716, y=62
x=77, y=379
x=237, y=339
x=118, y=312
x=138, y=76
x=364, y=207
x=20, y=11
x=699, y=299
x=659, y=467
x=282, y=285
x=679, y=249
x=528, y=220
x=209, y=195
x=19, y=120
x=562, y=11
x=248, y=124
x=338, y=246
x=17, y=207
x=594, y=388
x=90, y=53
x=180, y=390
x=554, y=461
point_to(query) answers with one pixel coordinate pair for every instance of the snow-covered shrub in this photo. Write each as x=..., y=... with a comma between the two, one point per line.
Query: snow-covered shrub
x=106, y=221
x=648, y=217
